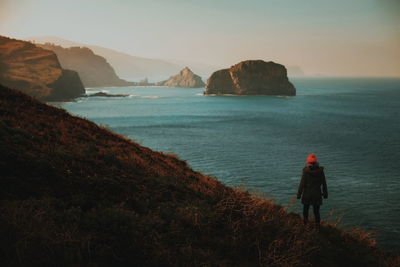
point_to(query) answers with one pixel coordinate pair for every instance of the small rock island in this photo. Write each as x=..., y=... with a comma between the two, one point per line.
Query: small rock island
x=185, y=78
x=251, y=77
x=103, y=94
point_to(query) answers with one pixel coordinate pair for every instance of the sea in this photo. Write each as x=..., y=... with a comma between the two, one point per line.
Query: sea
x=260, y=143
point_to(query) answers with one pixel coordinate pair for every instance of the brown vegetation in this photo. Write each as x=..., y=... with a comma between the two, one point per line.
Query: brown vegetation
x=74, y=193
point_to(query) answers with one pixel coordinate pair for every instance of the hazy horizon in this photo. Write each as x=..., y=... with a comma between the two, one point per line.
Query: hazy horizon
x=361, y=38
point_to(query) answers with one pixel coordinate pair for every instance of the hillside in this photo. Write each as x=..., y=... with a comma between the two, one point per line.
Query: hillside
x=73, y=193
x=36, y=71
x=93, y=69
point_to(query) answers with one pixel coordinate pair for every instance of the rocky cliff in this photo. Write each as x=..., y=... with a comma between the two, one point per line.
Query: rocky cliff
x=251, y=77
x=93, y=69
x=185, y=78
x=36, y=71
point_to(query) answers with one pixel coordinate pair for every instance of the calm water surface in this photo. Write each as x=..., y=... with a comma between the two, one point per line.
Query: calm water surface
x=262, y=142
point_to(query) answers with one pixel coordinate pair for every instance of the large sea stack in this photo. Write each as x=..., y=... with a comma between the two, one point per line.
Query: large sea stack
x=93, y=69
x=185, y=78
x=251, y=77
x=36, y=71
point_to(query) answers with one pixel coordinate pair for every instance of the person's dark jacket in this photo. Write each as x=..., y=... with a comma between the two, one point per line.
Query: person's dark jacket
x=312, y=180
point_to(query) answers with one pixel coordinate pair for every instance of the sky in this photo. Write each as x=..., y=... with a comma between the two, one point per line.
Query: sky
x=323, y=37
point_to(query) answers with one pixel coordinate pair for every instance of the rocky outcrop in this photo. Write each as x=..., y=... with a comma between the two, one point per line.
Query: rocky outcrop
x=93, y=69
x=102, y=94
x=145, y=82
x=36, y=71
x=251, y=77
x=186, y=78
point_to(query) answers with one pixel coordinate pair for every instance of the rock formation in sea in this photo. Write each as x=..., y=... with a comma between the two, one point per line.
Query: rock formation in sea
x=103, y=94
x=93, y=69
x=185, y=78
x=145, y=82
x=36, y=71
x=251, y=77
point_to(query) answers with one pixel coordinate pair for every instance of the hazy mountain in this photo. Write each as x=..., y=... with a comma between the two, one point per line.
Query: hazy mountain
x=134, y=68
x=94, y=70
x=125, y=65
x=295, y=71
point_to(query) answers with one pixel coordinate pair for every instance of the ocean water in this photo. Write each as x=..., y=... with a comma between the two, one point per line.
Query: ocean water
x=261, y=142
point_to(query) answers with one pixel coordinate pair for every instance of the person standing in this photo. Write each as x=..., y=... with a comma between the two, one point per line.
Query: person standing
x=312, y=181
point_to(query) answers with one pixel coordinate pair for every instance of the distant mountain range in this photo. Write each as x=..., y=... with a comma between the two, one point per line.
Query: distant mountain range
x=94, y=70
x=126, y=66
x=135, y=68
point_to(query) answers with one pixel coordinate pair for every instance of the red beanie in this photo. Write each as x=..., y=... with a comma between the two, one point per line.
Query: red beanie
x=312, y=158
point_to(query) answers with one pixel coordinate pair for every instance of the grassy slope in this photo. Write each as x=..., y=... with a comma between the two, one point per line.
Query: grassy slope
x=74, y=193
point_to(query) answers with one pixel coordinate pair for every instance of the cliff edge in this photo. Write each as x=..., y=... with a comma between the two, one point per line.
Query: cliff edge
x=36, y=71
x=251, y=77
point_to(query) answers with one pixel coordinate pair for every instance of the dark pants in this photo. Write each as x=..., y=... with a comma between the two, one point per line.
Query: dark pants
x=317, y=216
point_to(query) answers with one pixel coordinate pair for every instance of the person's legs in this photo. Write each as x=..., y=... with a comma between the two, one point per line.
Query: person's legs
x=317, y=215
x=306, y=207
